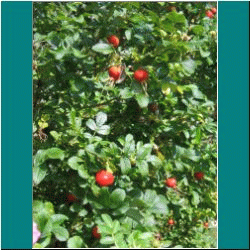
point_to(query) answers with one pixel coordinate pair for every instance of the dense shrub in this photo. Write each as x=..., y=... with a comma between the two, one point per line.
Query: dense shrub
x=153, y=132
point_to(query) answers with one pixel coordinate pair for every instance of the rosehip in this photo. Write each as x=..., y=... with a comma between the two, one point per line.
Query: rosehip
x=115, y=72
x=140, y=75
x=71, y=198
x=206, y=224
x=104, y=178
x=171, y=222
x=171, y=182
x=209, y=14
x=95, y=233
x=199, y=175
x=214, y=10
x=114, y=40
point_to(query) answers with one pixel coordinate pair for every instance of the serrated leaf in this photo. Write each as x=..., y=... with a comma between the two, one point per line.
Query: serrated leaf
x=101, y=118
x=116, y=226
x=75, y=242
x=58, y=218
x=73, y=162
x=91, y=124
x=55, y=153
x=40, y=157
x=125, y=165
x=134, y=214
x=117, y=197
x=103, y=48
x=128, y=34
x=129, y=146
x=195, y=198
x=61, y=233
x=103, y=130
x=107, y=219
x=39, y=173
x=107, y=240
x=119, y=241
x=142, y=99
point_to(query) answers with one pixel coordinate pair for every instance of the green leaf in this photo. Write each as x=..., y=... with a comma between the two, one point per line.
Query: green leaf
x=142, y=100
x=55, y=153
x=143, y=168
x=107, y=219
x=58, y=218
x=83, y=172
x=189, y=66
x=107, y=240
x=128, y=34
x=101, y=118
x=91, y=124
x=125, y=165
x=204, y=53
x=103, y=130
x=119, y=241
x=61, y=233
x=45, y=241
x=117, y=197
x=149, y=196
x=129, y=146
x=75, y=242
x=160, y=205
x=143, y=152
x=39, y=173
x=40, y=157
x=177, y=17
x=37, y=245
x=134, y=214
x=198, y=29
x=195, y=198
x=103, y=48
x=73, y=162
x=116, y=226
x=83, y=213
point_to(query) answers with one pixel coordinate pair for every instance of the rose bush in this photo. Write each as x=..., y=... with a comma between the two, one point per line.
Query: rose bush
x=116, y=153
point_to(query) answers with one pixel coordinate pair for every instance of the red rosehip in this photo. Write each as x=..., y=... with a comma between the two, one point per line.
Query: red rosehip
x=171, y=222
x=206, y=224
x=104, y=178
x=95, y=233
x=199, y=176
x=115, y=72
x=214, y=10
x=140, y=75
x=114, y=40
x=71, y=198
x=171, y=182
x=209, y=14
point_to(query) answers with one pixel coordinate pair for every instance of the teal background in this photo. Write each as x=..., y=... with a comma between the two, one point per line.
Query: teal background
x=16, y=103
x=16, y=98
x=233, y=125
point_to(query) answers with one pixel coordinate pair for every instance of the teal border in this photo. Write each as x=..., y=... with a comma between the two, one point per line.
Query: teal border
x=233, y=125
x=16, y=103
x=233, y=106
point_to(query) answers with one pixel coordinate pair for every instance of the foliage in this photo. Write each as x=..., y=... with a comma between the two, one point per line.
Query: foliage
x=84, y=122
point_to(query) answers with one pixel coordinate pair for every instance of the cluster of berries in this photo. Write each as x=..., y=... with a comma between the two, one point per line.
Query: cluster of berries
x=210, y=13
x=115, y=72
